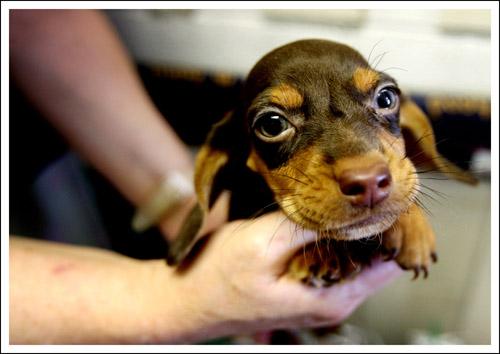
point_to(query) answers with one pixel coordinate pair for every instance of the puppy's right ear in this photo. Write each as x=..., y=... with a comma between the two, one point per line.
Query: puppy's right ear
x=421, y=143
x=219, y=151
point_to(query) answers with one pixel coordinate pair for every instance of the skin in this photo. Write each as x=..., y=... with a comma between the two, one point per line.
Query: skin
x=96, y=296
x=84, y=83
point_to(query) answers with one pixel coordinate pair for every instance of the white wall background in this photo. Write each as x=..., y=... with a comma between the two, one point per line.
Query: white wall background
x=437, y=51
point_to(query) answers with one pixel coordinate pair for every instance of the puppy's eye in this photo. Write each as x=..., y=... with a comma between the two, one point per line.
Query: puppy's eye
x=272, y=127
x=386, y=98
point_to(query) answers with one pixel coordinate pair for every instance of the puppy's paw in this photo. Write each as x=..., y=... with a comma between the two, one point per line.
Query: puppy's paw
x=315, y=268
x=411, y=242
x=319, y=265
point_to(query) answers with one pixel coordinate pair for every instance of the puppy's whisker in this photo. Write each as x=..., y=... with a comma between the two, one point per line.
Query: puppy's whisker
x=286, y=206
x=418, y=202
x=412, y=198
x=380, y=237
x=328, y=239
x=393, y=68
x=380, y=57
x=439, y=142
x=282, y=189
x=439, y=157
x=317, y=245
x=297, y=227
x=293, y=235
x=373, y=64
x=441, y=170
x=287, y=176
x=312, y=161
x=439, y=193
x=426, y=160
x=285, y=218
x=433, y=178
x=393, y=142
x=275, y=203
x=308, y=161
x=350, y=259
x=290, y=196
x=432, y=170
x=253, y=218
x=302, y=173
x=425, y=135
x=420, y=178
x=430, y=197
x=371, y=51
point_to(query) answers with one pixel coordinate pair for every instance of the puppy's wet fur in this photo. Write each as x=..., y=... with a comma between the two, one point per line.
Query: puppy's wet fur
x=323, y=136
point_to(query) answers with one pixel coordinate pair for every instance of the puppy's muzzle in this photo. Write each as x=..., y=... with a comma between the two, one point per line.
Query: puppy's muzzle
x=366, y=186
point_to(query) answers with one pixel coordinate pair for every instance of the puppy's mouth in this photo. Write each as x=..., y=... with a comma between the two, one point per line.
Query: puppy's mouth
x=365, y=226
x=371, y=220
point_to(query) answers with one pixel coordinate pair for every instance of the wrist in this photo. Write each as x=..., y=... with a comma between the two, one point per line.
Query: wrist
x=166, y=203
x=175, y=307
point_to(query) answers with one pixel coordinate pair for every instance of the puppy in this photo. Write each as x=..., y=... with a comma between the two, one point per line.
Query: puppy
x=329, y=140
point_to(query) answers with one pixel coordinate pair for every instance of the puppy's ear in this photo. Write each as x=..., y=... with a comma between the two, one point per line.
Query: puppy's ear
x=421, y=143
x=219, y=151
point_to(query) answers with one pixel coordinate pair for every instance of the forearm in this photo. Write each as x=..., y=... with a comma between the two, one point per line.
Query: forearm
x=73, y=67
x=69, y=294
x=237, y=284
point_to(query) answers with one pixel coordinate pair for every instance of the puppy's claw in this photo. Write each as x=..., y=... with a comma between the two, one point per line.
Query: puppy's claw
x=330, y=277
x=323, y=282
x=426, y=273
x=390, y=254
x=416, y=272
x=416, y=238
x=314, y=268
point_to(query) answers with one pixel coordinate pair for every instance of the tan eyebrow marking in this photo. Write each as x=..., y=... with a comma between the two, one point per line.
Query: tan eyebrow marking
x=286, y=96
x=364, y=79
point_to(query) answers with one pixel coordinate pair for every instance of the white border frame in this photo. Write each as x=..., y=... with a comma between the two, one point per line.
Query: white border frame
x=7, y=5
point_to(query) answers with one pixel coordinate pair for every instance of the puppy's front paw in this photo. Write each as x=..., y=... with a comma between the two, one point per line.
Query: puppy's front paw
x=411, y=241
x=319, y=265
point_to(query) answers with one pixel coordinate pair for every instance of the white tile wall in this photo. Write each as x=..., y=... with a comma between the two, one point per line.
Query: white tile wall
x=432, y=60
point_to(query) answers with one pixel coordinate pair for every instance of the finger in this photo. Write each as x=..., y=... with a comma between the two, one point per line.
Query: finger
x=374, y=278
x=334, y=304
x=352, y=293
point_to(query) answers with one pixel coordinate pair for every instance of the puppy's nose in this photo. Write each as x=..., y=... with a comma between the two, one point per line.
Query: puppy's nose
x=366, y=186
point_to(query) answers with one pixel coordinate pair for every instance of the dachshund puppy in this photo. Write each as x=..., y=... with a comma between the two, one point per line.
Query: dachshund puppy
x=330, y=141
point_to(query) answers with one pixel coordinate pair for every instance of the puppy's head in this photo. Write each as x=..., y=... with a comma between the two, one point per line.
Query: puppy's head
x=327, y=133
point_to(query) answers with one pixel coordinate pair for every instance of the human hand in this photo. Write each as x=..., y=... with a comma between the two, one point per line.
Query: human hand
x=238, y=283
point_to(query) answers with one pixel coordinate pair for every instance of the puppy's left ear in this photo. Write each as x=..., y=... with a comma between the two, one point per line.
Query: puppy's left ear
x=421, y=143
x=212, y=170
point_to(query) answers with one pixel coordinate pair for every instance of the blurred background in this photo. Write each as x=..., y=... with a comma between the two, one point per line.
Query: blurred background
x=193, y=63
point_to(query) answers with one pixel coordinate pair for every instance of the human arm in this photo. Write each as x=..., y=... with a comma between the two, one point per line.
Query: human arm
x=74, y=69
x=238, y=284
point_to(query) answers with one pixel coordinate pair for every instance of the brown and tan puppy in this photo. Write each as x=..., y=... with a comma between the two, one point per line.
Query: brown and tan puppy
x=321, y=135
